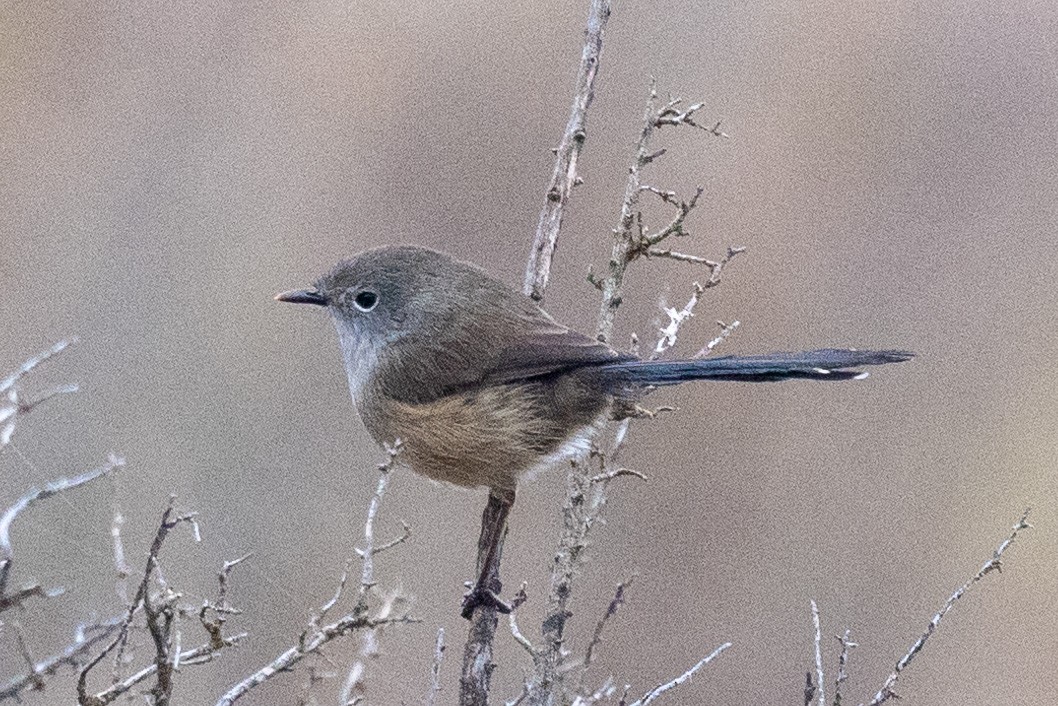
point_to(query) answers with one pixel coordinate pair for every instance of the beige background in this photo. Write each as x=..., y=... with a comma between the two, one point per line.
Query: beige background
x=167, y=167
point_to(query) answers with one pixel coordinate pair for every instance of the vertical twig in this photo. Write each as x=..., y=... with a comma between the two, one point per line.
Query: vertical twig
x=621, y=252
x=820, y=692
x=843, y=664
x=435, y=669
x=564, y=177
x=477, y=654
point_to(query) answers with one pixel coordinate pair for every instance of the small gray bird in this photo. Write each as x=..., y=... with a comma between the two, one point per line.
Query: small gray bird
x=482, y=386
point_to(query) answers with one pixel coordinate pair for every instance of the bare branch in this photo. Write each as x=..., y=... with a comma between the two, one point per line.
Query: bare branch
x=725, y=331
x=631, y=238
x=819, y=654
x=668, y=197
x=584, y=503
x=435, y=668
x=477, y=653
x=10, y=600
x=199, y=655
x=512, y=618
x=843, y=662
x=10, y=381
x=564, y=177
x=345, y=626
x=476, y=674
x=611, y=610
x=121, y=567
x=671, y=115
x=617, y=473
x=993, y=564
x=51, y=489
x=159, y=612
x=16, y=407
x=662, y=688
x=315, y=637
x=624, y=238
x=675, y=228
x=86, y=638
x=222, y=583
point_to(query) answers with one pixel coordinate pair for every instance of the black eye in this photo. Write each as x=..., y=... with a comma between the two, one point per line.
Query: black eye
x=366, y=301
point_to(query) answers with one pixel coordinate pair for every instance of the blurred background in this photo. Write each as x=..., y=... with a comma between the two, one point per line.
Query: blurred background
x=891, y=168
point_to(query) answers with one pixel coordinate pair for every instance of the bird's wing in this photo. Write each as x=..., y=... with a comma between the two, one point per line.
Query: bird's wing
x=548, y=350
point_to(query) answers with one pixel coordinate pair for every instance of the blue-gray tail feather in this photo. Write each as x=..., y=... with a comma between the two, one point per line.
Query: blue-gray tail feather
x=825, y=364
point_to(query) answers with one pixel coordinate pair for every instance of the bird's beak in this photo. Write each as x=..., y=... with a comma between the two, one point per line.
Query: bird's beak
x=302, y=296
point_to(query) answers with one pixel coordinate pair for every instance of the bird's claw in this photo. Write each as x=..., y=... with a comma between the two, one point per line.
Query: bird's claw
x=481, y=596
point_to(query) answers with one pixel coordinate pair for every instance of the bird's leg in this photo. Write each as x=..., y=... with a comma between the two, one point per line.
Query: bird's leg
x=490, y=548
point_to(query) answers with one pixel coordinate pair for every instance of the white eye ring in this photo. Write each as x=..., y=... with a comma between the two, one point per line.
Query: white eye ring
x=365, y=300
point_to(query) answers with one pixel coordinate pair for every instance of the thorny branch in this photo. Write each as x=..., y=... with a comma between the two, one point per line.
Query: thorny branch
x=632, y=240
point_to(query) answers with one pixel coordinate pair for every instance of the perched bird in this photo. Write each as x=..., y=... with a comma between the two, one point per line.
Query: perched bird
x=482, y=386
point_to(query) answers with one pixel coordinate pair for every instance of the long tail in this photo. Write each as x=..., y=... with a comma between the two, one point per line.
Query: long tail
x=827, y=364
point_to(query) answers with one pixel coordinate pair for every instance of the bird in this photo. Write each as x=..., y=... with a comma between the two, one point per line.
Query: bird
x=482, y=387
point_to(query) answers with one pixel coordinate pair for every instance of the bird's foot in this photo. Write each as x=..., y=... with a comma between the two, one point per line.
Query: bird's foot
x=481, y=596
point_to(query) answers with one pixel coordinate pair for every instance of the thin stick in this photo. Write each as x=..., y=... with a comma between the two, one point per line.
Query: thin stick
x=71, y=656
x=435, y=668
x=819, y=655
x=843, y=663
x=564, y=176
x=993, y=564
x=9, y=382
x=662, y=688
x=315, y=636
x=611, y=610
x=51, y=489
